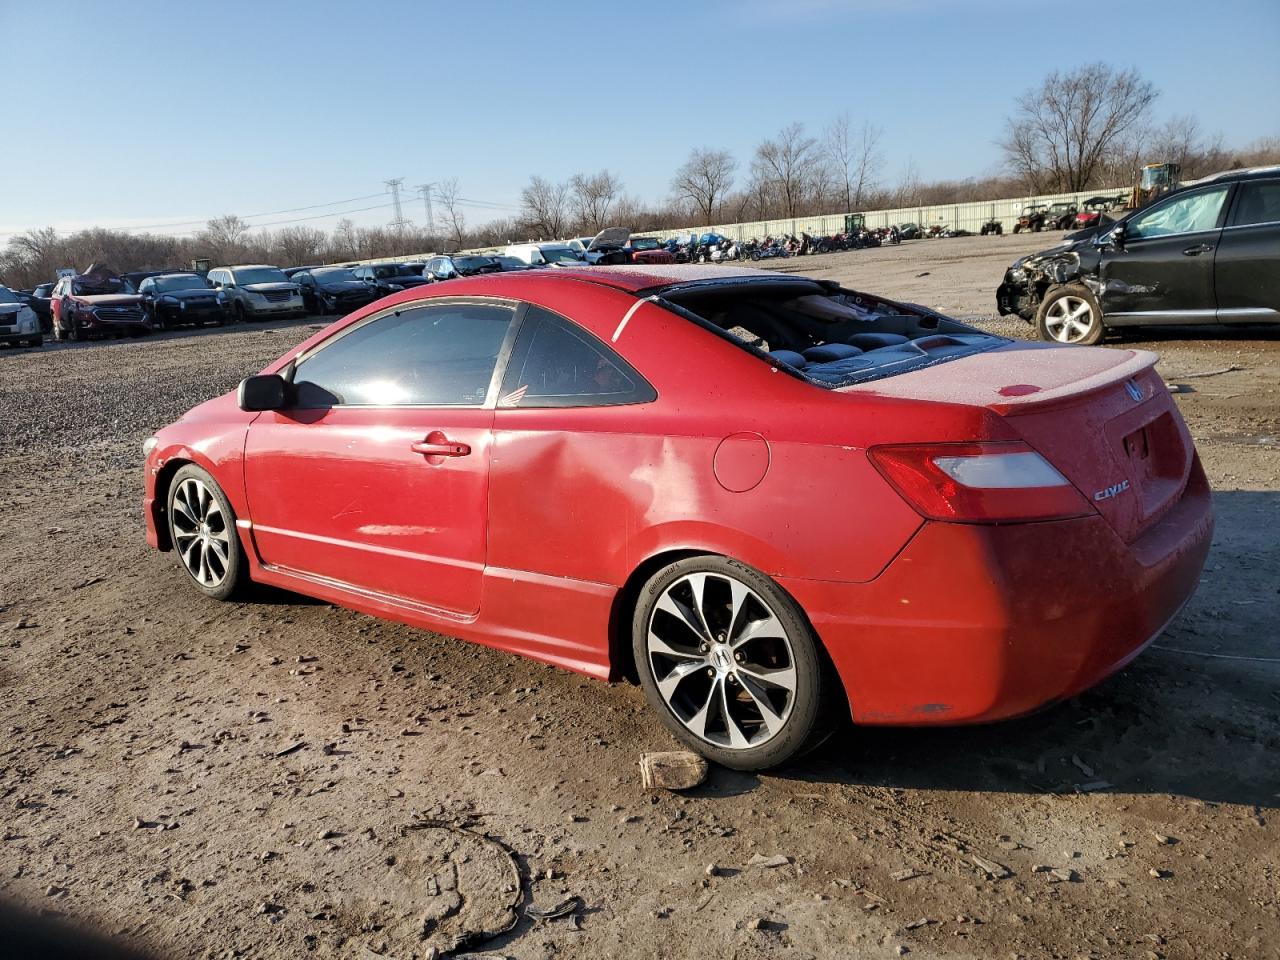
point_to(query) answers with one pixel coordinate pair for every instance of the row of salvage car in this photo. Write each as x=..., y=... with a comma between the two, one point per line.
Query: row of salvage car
x=100, y=302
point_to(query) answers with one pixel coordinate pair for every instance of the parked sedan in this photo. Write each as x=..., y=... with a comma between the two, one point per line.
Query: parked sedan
x=97, y=301
x=18, y=322
x=171, y=299
x=546, y=462
x=450, y=268
x=1208, y=253
x=386, y=278
x=333, y=290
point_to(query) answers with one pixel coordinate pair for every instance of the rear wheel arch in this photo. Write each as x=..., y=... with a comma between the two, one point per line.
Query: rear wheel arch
x=622, y=662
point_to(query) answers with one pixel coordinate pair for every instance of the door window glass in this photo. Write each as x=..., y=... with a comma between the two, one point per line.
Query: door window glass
x=438, y=355
x=1192, y=213
x=555, y=363
x=1257, y=202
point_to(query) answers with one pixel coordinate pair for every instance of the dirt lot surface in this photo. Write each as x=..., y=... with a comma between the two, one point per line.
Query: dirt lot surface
x=282, y=778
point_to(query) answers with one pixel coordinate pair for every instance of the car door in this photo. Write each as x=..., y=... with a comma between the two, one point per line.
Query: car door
x=376, y=476
x=1162, y=270
x=563, y=441
x=1247, y=268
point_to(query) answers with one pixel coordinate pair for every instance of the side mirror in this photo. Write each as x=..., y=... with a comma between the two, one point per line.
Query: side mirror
x=1117, y=236
x=267, y=391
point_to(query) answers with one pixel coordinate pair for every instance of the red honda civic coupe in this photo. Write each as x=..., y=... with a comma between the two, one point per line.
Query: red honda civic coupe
x=772, y=500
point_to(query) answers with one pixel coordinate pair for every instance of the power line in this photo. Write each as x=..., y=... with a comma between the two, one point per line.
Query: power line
x=425, y=190
x=249, y=216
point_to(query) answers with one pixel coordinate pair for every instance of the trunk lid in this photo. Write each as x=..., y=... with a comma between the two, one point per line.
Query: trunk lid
x=1103, y=417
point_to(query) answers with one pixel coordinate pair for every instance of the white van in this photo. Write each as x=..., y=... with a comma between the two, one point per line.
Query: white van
x=544, y=254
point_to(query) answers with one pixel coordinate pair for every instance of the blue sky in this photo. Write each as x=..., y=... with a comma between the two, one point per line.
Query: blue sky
x=136, y=113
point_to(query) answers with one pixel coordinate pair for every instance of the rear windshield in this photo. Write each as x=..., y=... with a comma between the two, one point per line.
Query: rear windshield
x=260, y=275
x=830, y=337
x=184, y=281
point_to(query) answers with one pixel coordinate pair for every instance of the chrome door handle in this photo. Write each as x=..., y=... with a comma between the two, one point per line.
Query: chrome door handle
x=1197, y=250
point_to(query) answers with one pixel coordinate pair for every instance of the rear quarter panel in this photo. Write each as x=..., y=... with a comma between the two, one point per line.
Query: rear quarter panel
x=591, y=493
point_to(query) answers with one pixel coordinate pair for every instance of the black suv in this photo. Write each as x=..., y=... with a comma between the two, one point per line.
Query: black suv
x=388, y=278
x=333, y=290
x=1207, y=253
x=173, y=298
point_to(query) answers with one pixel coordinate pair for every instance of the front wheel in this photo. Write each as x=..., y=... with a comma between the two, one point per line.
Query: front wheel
x=202, y=527
x=730, y=663
x=1070, y=314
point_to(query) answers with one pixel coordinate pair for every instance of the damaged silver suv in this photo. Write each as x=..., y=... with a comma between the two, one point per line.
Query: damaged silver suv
x=1206, y=253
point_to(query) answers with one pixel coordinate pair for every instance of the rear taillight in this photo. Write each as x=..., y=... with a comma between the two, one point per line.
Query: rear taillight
x=979, y=482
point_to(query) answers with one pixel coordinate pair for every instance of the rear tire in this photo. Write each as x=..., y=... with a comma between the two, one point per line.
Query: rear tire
x=738, y=677
x=202, y=528
x=1070, y=314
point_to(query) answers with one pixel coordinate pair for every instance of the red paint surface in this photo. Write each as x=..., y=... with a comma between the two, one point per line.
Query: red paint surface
x=525, y=542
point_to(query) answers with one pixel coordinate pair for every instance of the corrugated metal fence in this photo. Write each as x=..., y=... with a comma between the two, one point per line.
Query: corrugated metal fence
x=960, y=216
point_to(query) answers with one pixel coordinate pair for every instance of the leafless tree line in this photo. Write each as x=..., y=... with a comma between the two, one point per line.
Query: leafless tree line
x=1090, y=127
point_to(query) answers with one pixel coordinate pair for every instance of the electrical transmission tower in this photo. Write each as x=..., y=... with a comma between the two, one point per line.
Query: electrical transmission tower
x=424, y=189
x=394, y=186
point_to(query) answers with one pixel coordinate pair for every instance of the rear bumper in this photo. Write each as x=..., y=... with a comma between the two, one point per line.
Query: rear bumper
x=971, y=624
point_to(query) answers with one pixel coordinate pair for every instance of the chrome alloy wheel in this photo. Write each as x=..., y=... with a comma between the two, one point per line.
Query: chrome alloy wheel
x=722, y=660
x=1069, y=319
x=200, y=533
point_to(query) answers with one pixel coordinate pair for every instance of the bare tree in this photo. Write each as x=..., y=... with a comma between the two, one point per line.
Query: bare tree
x=346, y=242
x=544, y=207
x=1060, y=134
x=593, y=196
x=298, y=245
x=452, y=216
x=792, y=163
x=704, y=180
x=226, y=233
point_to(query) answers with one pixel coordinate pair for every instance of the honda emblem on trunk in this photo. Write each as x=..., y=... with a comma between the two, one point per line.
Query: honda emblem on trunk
x=1134, y=390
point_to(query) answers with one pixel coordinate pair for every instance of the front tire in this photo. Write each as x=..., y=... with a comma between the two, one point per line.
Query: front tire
x=730, y=663
x=1070, y=314
x=202, y=528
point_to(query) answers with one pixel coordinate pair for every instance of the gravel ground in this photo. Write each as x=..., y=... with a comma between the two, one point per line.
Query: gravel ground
x=148, y=787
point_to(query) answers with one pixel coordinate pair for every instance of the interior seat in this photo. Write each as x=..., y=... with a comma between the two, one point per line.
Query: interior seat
x=827, y=352
x=873, y=341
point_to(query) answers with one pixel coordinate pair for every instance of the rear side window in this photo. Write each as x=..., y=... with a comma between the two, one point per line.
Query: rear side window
x=1257, y=202
x=556, y=363
x=437, y=355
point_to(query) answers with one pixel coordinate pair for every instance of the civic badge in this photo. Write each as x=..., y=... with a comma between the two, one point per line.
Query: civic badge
x=1134, y=391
